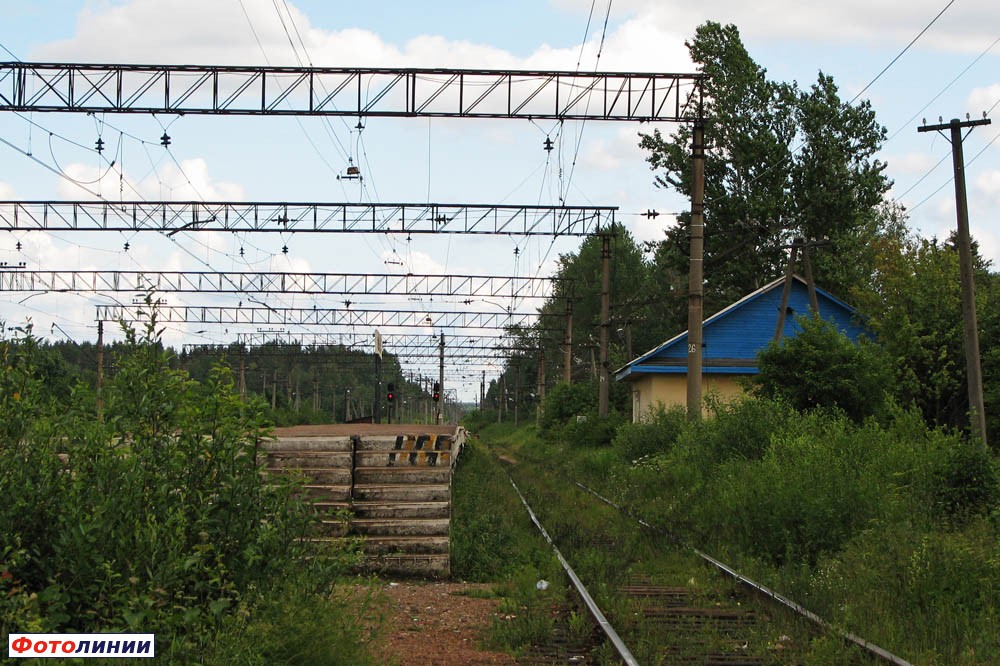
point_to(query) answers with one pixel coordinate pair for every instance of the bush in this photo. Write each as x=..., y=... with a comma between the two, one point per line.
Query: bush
x=821, y=367
x=564, y=402
x=156, y=519
x=654, y=434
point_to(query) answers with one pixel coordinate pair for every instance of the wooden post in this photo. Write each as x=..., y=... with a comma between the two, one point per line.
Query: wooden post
x=786, y=291
x=973, y=367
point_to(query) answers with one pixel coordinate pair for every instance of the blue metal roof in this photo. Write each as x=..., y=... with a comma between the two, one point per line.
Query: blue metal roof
x=732, y=337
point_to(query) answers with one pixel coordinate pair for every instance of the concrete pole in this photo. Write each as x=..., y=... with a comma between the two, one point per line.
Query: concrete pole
x=540, y=392
x=440, y=404
x=603, y=378
x=243, y=374
x=568, y=344
x=696, y=290
x=100, y=370
x=377, y=404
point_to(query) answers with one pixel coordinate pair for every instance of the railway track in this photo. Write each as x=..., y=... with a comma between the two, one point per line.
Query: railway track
x=653, y=614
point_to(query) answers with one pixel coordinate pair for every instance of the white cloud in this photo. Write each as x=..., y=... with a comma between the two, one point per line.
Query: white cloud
x=190, y=181
x=983, y=99
x=988, y=184
x=193, y=31
x=7, y=191
x=909, y=163
x=964, y=27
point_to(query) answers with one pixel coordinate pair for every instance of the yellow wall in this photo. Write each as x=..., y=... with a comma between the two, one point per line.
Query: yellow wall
x=650, y=390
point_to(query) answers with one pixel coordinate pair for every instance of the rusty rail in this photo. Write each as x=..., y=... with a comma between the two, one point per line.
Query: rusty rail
x=865, y=645
x=627, y=657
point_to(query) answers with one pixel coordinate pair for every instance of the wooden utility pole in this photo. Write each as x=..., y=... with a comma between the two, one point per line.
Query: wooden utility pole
x=696, y=290
x=977, y=417
x=786, y=291
x=603, y=379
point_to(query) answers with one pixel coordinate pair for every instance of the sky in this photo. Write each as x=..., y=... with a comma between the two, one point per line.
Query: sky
x=953, y=69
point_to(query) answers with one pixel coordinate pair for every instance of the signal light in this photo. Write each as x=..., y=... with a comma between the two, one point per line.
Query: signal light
x=391, y=393
x=437, y=391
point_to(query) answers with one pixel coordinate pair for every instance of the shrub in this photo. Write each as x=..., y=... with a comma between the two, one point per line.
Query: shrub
x=654, y=434
x=157, y=519
x=821, y=367
x=565, y=401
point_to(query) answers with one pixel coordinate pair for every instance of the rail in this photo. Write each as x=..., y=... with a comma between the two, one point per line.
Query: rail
x=581, y=590
x=865, y=645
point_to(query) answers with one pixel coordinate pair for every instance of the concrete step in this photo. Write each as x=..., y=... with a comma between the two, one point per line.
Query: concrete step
x=408, y=492
x=403, y=458
x=331, y=527
x=342, y=444
x=400, y=527
x=401, y=510
x=331, y=507
x=423, y=566
x=328, y=493
x=326, y=476
x=402, y=475
x=308, y=459
x=412, y=442
x=408, y=545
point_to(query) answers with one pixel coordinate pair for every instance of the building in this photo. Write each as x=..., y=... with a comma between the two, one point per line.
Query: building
x=731, y=340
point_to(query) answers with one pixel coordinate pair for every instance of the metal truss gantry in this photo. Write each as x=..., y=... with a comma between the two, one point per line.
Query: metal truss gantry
x=403, y=218
x=390, y=341
x=268, y=316
x=458, y=355
x=355, y=92
x=475, y=286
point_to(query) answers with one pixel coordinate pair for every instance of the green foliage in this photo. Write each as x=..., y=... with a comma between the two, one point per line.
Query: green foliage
x=655, y=433
x=821, y=367
x=915, y=310
x=564, y=402
x=758, y=193
x=490, y=535
x=156, y=519
x=292, y=623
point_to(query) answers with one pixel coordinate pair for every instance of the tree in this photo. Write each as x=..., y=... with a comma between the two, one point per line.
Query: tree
x=759, y=192
x=914, y=307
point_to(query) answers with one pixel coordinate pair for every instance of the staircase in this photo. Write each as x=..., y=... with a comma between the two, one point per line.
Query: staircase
x=389, y=485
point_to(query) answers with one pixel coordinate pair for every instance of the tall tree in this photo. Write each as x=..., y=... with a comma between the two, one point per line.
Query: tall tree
x=760, y=191
x=749, y=126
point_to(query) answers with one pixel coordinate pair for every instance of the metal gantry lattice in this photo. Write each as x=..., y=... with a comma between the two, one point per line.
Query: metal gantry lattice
x=356, y=92
x=404, y=218
x=400, y=346
x=270, y=316
x=474, y=286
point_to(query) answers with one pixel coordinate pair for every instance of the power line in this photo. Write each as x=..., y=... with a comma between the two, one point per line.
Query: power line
x=900, y=54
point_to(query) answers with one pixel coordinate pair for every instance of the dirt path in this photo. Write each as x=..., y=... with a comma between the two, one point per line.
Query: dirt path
x=439, y=624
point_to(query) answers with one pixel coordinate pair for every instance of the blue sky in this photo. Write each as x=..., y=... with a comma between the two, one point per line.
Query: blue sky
x=457, y=160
